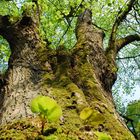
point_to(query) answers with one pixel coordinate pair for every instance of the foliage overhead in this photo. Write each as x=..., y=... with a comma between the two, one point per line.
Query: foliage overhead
x=4, y=54
x=58, y=18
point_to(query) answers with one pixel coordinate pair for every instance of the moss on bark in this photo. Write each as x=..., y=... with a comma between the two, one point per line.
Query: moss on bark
x=80, y=78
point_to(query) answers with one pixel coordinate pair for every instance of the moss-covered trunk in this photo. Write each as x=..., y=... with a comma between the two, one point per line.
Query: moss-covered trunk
x=79, y=78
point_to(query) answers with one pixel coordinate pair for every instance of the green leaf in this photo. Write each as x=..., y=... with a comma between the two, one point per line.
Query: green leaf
x=103, y=136
x=54, y=114
x=86, y=113
x=34, y=105
x=42, y=103
x=46, y=106
x=52, y=137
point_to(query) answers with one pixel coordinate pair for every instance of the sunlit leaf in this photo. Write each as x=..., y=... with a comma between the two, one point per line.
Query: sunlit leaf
x=86, y=113
x=46, y=106
x=103, y=136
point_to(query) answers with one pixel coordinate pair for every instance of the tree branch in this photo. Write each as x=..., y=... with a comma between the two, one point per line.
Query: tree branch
x=120, y=43
x=128, y=57
x=121, y=16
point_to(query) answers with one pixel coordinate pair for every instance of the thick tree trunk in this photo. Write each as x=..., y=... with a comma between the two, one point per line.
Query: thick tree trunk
x=76, y=79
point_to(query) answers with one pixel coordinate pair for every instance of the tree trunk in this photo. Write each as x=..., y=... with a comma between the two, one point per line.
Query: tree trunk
x=79, y=78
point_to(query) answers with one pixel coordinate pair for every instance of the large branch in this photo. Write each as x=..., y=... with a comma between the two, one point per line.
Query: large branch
x=128, y=57
x=120, y=43
x=121, y=16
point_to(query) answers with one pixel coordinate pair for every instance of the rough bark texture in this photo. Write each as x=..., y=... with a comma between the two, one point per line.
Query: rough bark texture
x=76, y=79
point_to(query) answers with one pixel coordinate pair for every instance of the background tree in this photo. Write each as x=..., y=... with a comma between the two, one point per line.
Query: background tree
x=133, y=114
x=77, y=78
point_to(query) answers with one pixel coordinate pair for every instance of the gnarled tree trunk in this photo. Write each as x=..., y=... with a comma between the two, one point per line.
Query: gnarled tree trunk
x=76, y=79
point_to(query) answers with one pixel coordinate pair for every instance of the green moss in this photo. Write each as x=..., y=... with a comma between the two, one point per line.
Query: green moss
x=69, y=130
x=47, y=77
x=63, y=81
x=18, y=130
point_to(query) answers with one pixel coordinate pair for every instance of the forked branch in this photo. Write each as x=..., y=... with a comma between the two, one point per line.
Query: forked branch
x=121, y=16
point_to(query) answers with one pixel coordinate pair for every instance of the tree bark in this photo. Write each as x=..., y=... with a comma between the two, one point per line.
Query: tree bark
x=76, y=79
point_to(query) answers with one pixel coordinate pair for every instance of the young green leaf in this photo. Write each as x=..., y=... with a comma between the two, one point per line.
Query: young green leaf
x=86, y=113
x=103, y=136
x=46, y=106
x=34, y=105
x=51, y=137
x=54, y=114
